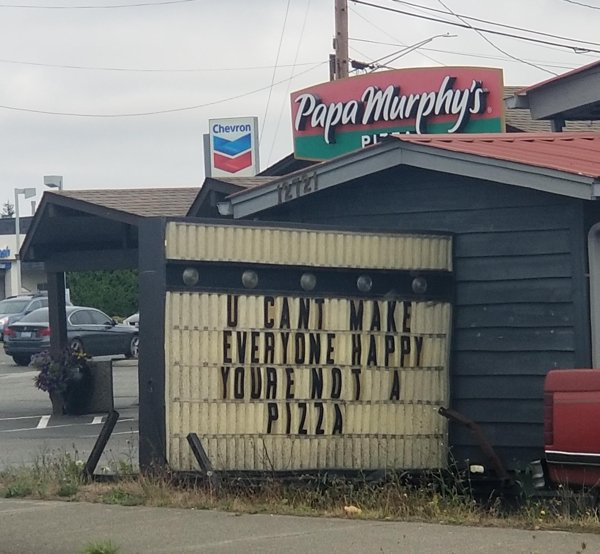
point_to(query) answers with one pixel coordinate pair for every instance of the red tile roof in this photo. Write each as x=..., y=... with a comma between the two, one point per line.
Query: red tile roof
x=576, y=153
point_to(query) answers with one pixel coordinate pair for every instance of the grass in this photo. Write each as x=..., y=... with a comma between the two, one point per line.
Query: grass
x=101, y=548
x=436, y=499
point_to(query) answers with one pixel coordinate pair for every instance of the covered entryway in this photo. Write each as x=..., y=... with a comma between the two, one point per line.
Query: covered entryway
x=284, y=348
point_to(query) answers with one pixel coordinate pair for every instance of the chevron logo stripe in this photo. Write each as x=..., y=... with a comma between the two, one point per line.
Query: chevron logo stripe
x=232, y=147
x=232, y=165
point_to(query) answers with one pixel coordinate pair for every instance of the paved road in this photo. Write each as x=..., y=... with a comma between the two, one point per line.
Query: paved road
x=28, y=431
x=65, y=528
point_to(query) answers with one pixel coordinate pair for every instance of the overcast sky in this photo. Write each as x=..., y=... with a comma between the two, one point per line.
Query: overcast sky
x=222, y=56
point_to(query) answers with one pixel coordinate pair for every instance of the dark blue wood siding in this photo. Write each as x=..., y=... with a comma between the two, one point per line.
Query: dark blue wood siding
x=521, y=298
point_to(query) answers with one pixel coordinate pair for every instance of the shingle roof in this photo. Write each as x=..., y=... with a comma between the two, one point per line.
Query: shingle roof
x=168, y=202
x=575, y=153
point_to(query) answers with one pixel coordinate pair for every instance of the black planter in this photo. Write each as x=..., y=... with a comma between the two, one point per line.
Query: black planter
x=79, y=392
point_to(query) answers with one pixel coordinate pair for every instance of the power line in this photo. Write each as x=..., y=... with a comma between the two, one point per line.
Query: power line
x=287, y=10
x=147, y=70
x=495, y=46
x=279, y=118
x=466, y=54
x=461, y=16
x=96, y=7
x=391, y=36
x=465, y=26
x=158, y=112
x=582, y=4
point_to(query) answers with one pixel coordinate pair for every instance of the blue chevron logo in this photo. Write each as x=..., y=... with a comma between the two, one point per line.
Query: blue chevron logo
x=232, y=147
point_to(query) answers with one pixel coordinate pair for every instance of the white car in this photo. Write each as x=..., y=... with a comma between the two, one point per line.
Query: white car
x=133, y=319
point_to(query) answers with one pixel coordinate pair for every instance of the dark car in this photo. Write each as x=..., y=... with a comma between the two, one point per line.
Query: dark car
x=88, y=330
x=15, y=307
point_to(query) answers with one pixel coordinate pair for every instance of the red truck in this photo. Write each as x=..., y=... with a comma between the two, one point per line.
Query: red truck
x=572, y=426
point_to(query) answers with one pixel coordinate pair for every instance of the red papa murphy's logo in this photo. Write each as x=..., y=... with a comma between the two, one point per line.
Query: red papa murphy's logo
x=337, y=117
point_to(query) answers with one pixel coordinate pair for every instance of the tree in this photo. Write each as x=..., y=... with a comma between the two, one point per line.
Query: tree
x=113, y=292
x=8, y=210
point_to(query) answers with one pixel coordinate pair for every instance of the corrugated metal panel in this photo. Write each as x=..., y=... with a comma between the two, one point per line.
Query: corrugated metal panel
x=577, y=153
x=231, y=415
x=228, y=243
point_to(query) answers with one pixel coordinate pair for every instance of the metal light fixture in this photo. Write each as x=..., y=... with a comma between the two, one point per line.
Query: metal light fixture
x=308, y=281
x=419, y=285
x=250, y=279
x=364, y=283
x=53, y=181
x=190, y=276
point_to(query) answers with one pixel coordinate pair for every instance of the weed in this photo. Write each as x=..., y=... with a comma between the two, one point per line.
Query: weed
x=437, y=496
x=122, y=497
x=100, y=548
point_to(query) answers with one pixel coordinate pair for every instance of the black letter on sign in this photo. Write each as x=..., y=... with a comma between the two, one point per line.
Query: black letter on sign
x=255, y=382
x=288, y=419
x=304, y=313
x=376, y=317
x=391, y=316
x=404, y=349
x=316, y=382
x=238, y=383
x=269, y=353
x=272, y=415
x=356, y=349
x=302, y=408
x=289, y=388
x=329, y=356
x=419, y=345
x=285, y=315
x=285, y=338
x=271, y=383
x=356, y=372
x=314, y=355
x=336, y=382
x=227, y=347
x=269, y=321
x=337, y=424
x=300, y=347
x=395, y=394
x=319, y=407
x=254, y=337
x=232, y=311
x=225, y=376
x=372, y=355
x=319, y=302
x=406, y=319
x=390, y=348
x=242, y=340
x=356, y=316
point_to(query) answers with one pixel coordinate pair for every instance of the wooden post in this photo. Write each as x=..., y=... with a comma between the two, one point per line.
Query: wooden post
x=57, y=313
x=341, y=39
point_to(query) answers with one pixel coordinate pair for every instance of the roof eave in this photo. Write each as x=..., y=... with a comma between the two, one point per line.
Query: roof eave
x=316, y=178
x=396, y=153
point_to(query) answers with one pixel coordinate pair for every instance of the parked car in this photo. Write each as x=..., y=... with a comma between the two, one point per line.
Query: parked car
x=15, y=307
x=88, y=330
x=133, y=319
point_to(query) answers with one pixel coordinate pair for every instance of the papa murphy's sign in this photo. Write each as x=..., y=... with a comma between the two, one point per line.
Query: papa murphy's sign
x=337, y=117
x=233, y=147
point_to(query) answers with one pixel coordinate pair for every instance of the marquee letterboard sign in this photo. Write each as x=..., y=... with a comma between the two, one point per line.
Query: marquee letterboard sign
x=293, y=349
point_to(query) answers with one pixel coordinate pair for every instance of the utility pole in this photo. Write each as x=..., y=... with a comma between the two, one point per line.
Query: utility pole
x=339, y=62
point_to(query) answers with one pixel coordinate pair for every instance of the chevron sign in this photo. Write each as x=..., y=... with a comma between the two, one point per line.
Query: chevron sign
x=234, y=147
